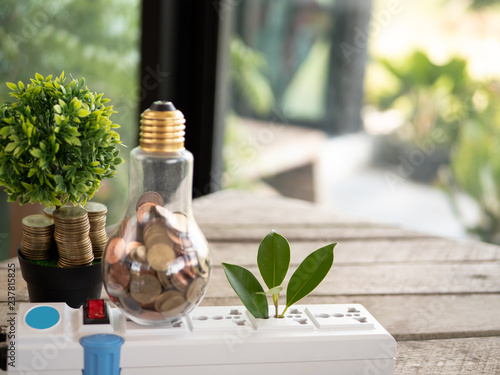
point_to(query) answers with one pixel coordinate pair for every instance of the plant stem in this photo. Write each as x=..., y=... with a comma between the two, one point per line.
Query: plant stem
x=276, y=298
x=283, y=313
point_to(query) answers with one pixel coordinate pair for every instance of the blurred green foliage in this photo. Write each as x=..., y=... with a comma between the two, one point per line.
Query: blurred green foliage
x=430, y=96
x=467, y=114
x=475, y=165
x=248, y=78
x=97, y=39
x=480, y=4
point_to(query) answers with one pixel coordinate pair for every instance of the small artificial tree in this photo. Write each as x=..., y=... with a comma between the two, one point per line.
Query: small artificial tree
x=57, y=142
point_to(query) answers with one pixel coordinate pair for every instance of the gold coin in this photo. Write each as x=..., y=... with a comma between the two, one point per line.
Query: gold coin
x=195, y=290
x=170, y=303
x=48, y=211
x=138, y=254
x=95, y=208
x=70, y=213
x=180, y=281
x=164, y=278
x=160, y=256
x=144, y=288
x=38, y=221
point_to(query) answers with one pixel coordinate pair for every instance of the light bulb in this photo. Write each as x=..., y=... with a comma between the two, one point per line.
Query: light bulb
x=156, y=264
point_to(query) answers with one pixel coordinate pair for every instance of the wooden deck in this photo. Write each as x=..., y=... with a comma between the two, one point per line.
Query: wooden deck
x=439, y=298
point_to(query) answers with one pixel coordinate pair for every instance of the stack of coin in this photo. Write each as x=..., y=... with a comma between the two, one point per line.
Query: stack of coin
x=97, y=219
x=167, y=260
x=72, y=237
x=37, y=241
x=48, y=211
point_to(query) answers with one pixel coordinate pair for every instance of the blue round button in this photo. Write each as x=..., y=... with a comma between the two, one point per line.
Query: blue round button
x=42, y=317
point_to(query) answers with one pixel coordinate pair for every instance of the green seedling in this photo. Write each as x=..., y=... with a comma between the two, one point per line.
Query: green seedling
x=273, y=260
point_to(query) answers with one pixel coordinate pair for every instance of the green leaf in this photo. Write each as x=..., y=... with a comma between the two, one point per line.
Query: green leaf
x=246, y=287
x=82, y=188
x=309, y=274
x=5, y=131
x=11, y=147
x=98, y=170
x=39, y=77
x=83, y=112
x=36, y=152
x=11, y=85
x=273, y=259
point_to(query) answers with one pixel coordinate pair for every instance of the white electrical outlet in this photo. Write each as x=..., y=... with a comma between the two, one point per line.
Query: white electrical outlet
x=340, y=317
x=295, y=319
x=336, y=339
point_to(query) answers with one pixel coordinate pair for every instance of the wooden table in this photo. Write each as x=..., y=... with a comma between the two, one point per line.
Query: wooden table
x=439, y=298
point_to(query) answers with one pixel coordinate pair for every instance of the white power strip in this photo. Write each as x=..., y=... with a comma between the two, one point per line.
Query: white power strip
x=222, y=340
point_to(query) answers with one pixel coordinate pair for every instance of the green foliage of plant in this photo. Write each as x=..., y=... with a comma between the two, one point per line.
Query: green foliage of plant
x=481, y=4
x=273, y=260
x=475, y=165
x=430, y=96
x=57, y=142
x=247, y=76
x=248, y=289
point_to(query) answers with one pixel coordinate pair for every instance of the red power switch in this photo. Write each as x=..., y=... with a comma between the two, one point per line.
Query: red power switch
x=95, y=312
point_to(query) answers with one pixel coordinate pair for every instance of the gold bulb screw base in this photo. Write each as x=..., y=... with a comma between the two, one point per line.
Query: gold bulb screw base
x=162, y=128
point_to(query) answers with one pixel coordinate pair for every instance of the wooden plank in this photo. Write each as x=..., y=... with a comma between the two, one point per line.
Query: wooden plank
x=448, y=357
x=366, y=252
x=238, y=207
x=378, y=279
x=383, y=279
x=359, y=251
x=255, y=233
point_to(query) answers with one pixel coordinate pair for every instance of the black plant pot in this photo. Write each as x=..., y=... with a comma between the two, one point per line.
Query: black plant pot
x=52, y=284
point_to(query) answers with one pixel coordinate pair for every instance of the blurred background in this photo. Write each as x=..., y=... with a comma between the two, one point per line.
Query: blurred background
x=386, y=109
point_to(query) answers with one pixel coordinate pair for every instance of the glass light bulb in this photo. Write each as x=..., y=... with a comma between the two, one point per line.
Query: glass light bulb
x=156, y=264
